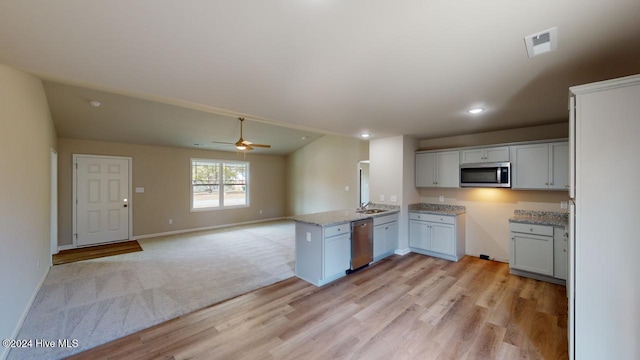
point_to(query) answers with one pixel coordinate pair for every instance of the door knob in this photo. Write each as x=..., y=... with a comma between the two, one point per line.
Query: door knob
x=125, y=205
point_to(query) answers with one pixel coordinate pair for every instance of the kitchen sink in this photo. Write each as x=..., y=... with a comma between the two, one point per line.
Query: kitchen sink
x=371, y=211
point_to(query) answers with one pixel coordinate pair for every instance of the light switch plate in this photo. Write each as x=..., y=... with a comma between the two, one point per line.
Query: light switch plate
x=139, y=189
x=441, y=198
x=393, y=198
x=563, y=204
x=381, y=197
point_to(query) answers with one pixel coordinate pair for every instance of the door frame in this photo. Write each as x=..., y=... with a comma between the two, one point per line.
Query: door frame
x=74, y=203
x=53, y=227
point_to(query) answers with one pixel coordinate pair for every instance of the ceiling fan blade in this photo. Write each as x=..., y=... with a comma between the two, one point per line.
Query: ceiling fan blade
x=242, y=143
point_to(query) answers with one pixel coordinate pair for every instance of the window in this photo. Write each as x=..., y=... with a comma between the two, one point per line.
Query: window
x=217, y=184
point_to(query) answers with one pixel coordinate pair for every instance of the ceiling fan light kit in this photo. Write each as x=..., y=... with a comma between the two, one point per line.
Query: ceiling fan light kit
x=242, y=144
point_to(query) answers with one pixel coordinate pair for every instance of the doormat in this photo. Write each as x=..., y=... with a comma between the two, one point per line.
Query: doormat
x=94, y=252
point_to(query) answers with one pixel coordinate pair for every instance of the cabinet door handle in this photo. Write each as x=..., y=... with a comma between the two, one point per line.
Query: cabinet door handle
x=531, y=229
x=546, y=183
x=551, y=183
x=513, y=238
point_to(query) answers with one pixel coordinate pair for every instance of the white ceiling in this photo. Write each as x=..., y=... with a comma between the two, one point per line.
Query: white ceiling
x=409, y=67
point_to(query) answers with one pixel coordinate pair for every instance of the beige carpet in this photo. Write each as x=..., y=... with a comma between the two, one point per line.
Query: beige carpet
x=99, y=300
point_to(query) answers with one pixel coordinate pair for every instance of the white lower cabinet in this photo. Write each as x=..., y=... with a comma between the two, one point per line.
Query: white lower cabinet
x=337, y=255
x=441, y=236
x=323, y=254
x=560, y=253
x=385, y=236
x=536, y=251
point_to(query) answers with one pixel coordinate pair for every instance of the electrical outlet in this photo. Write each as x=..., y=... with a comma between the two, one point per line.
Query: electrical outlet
x=382, y=198
x=260, y=212
x=393, y=198
x=170, y=221
x=346, y=188
x=563, y=204
x=308, y=236
x=441, y=198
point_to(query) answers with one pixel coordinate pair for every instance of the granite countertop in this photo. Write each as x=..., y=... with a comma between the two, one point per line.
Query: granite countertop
x=328, y=218
x=437, y=209
x=550, y=218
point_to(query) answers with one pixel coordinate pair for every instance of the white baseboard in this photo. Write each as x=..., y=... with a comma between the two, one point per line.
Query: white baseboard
x=5, y=351
x=402, y=252
x=176, y=232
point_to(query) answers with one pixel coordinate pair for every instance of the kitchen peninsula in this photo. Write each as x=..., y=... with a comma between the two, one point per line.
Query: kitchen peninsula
x=324, y=241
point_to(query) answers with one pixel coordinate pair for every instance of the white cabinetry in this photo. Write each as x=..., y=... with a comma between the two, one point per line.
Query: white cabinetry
x=560, y=253
x=480, y=155
x=538, y=251
x=441, y=236
x=540, y=166
x=438, y=169
x=323, y=254
x=385, y=236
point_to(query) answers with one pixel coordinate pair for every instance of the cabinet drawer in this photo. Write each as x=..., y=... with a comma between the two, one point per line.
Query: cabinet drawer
x=445, y=219
x=543, y=230
x=385, y=219
x=334, y=230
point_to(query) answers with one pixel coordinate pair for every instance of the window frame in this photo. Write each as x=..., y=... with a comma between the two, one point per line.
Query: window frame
x=221, y=163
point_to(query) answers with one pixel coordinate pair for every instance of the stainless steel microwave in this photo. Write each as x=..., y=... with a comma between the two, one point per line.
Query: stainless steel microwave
x=486, y=175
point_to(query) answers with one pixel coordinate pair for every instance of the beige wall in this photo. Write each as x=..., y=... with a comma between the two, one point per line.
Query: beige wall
x=392, y=174
x=164, y=172
x=26, y=137
x=489, y=210
x=318, y=173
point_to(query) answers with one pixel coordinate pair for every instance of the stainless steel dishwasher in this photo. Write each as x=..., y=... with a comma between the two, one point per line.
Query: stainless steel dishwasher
x=361, y=243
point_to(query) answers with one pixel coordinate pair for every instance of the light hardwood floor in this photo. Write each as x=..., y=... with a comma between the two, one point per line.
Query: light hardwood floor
x=409, y=307
x=95, y=252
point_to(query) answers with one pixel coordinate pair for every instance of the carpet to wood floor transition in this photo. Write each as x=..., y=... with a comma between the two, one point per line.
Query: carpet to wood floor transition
x=94, y=252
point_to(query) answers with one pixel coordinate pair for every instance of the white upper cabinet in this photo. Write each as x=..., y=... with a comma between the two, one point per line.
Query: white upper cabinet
x=426, y=170
x=480, y=155
x=438, y=169
x=559, y=166
x=540, y=166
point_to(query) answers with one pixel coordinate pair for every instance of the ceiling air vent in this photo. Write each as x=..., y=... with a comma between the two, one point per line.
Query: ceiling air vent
x=542, y=42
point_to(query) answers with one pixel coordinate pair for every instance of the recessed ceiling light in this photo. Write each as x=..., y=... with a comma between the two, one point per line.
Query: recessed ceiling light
x=365, y=135
x=305, y=137
x=94, y=103
x=475, y=111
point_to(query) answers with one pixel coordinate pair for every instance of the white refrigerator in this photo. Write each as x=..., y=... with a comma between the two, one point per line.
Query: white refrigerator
x=604, y=248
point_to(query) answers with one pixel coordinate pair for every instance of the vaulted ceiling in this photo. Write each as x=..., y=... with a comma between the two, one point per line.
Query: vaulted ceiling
x=411, y=67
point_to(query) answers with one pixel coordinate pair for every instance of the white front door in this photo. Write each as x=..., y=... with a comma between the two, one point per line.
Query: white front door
x=102, y=193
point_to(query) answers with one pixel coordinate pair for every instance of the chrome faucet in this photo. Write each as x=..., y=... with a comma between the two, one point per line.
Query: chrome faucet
x=363, y=206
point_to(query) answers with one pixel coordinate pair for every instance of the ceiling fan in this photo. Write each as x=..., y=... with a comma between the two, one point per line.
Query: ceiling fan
x=243, y=144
